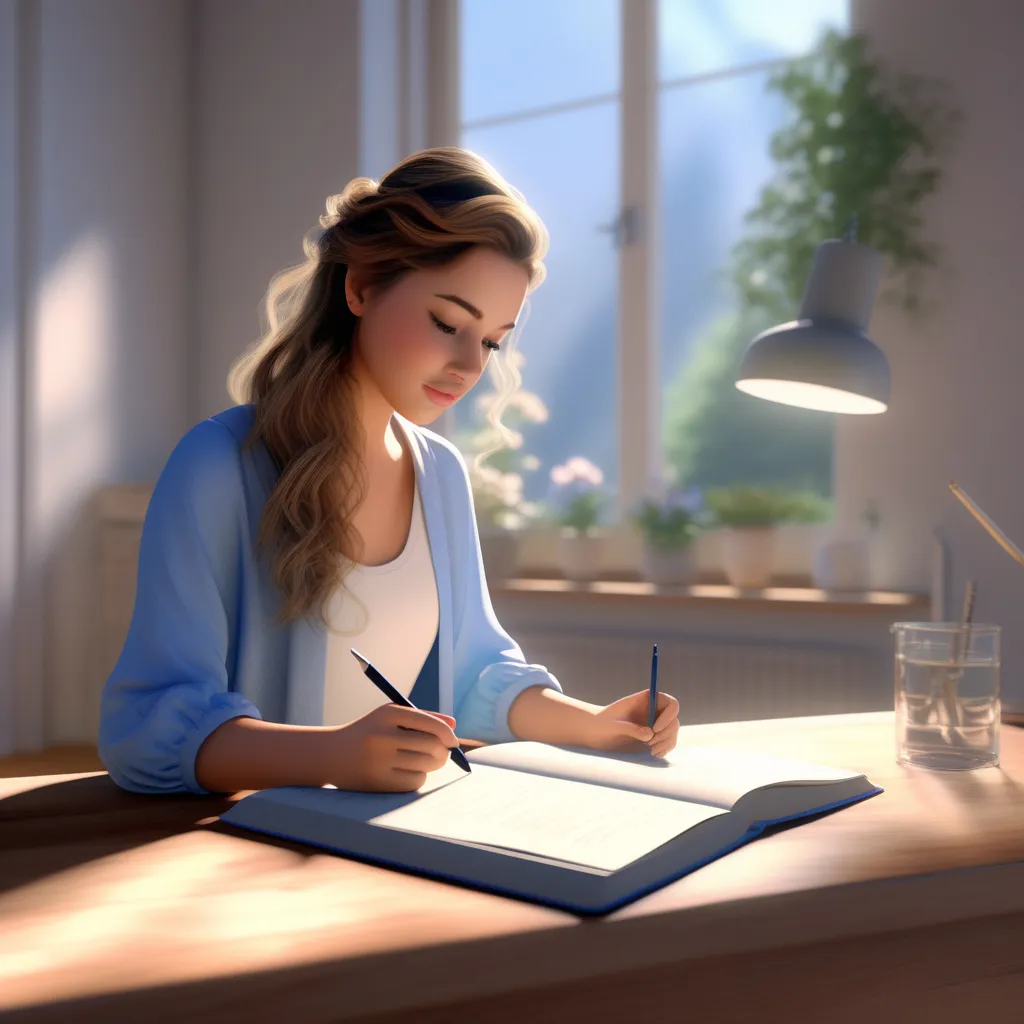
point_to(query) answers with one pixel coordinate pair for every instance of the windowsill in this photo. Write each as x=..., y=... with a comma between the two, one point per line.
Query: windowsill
x=126, y=503
x=795, y=594
x=622, y=554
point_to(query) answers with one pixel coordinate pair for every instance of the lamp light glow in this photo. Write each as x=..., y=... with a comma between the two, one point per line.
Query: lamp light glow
x=811, y=396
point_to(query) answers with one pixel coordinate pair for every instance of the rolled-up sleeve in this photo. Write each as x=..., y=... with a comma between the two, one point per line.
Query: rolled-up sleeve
x=483, y=712
x=169, y=689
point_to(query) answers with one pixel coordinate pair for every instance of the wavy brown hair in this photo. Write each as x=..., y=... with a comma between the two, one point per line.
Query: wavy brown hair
x=424, y=213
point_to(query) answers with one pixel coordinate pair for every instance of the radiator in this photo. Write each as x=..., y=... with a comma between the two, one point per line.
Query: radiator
x=716, y=680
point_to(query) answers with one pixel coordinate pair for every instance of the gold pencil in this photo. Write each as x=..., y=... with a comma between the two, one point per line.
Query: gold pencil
x=997, y=535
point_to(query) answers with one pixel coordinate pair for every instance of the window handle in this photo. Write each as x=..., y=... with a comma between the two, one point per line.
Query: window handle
x=625, y=229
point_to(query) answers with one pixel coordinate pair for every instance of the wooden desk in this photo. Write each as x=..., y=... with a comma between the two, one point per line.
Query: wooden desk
x=907, y=907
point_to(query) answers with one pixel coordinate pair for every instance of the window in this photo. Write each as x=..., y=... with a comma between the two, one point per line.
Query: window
x=539, y=97
x=716, y=119
x=545, y=88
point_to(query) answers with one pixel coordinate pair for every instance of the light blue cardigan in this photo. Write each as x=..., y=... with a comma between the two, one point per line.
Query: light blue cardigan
x=204, y=647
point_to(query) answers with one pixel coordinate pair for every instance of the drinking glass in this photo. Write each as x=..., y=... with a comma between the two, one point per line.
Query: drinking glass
x=947, y=695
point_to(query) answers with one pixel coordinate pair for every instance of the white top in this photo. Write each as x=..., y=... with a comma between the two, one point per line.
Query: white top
x=389, y=614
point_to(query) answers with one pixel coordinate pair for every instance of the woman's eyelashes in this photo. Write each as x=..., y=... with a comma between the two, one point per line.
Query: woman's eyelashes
x=442, y=326
x=449, y=329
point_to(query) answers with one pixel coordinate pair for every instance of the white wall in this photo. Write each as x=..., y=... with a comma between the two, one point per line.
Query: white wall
x=277, y=132
x=10, y=100
x=158, y=163
x=955, y=411
x=95, y=294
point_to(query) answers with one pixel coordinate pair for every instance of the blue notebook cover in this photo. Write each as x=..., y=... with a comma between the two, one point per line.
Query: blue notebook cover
x=364, y=826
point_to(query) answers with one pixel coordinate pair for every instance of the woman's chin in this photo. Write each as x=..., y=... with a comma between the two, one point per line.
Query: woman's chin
x=422, y=416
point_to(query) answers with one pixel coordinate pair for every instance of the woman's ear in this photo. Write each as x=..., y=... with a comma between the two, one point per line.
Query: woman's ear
x=354, y=292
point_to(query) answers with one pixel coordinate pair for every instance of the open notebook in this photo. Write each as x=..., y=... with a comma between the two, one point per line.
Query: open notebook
x=580, y=830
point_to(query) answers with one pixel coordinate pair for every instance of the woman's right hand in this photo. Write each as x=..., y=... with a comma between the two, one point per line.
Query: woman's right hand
x=391, y=749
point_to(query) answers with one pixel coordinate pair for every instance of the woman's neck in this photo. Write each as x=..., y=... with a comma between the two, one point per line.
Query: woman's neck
x=382, y=447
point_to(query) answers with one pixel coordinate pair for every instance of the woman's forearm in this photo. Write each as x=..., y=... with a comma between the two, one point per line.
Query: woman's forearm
x=547, y=716
x=247, y=753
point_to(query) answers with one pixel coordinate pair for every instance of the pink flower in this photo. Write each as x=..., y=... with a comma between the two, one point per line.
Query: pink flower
x=577, y=469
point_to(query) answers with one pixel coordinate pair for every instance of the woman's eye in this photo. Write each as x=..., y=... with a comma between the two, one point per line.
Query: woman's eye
x=442, y=326
x=448, y=329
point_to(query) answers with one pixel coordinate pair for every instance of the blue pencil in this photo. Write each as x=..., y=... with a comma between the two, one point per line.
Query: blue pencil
x=652, y=705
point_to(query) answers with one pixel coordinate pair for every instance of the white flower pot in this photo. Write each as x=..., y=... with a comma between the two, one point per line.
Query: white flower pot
x=748, y=555
x=581, y=554
x=842, y=565
x=667, y=567
x=500, y=551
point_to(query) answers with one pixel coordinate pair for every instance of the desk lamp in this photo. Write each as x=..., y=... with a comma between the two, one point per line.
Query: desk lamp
x=824, y=359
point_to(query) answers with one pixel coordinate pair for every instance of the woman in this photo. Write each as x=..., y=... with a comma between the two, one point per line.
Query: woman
x=318, y=515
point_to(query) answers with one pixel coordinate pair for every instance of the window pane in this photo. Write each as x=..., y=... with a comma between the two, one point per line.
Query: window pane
x=714, y=161
x=567, y=165
x=697, y=37
x=522, y=54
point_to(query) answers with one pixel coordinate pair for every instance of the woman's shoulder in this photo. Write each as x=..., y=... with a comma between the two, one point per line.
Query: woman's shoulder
x=237, y=421
x=206, y=462
x=216, y=440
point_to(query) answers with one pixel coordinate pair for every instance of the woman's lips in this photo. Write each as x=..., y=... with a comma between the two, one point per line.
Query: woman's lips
x=443, y=398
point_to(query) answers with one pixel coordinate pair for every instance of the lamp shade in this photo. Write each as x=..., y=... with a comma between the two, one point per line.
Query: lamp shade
x=824, y=359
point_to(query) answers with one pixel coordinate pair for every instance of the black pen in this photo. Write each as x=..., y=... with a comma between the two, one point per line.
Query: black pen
x=652, y=703
x=395, y=697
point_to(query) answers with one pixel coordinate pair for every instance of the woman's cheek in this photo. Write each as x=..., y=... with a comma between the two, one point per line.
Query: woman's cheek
x=413, y=342
x=392, y=355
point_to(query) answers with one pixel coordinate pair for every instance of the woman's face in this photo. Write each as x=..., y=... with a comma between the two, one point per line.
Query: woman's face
x=425, y=340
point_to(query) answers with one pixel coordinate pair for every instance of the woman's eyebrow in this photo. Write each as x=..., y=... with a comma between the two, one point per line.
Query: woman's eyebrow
x=471, y=309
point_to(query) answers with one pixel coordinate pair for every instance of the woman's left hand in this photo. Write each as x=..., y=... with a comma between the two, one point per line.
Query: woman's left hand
x=622, y=725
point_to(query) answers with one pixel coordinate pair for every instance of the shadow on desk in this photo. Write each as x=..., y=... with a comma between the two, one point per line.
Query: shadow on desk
x=51, y=826
x=56, y=823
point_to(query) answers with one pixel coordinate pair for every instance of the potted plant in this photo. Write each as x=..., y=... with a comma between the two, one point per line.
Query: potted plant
x=749, y=516
x=576, y=502
x=669, y=528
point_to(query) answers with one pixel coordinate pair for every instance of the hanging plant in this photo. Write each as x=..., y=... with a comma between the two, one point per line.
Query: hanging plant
x=858, y=140
x=861, y=142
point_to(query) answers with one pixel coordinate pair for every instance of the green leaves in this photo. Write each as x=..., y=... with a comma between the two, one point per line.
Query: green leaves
x=858, y=141
x=667, y=527
x=741, y=505
x=715, y=434
x=582, y=512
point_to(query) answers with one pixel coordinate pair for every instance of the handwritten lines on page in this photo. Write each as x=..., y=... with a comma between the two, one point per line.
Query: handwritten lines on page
x=569, y=821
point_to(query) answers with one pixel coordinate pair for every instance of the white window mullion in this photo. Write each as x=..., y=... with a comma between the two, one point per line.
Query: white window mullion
x=639, y=335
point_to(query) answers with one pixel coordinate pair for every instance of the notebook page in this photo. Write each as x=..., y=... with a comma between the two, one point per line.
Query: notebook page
x=716, y=776
x=582, y=824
